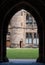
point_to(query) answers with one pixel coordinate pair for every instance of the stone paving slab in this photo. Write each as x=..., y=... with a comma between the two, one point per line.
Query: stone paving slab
x=21, y=62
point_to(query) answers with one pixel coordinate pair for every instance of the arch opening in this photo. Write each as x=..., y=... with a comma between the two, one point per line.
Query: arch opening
x=22, y=33
x=9, y=15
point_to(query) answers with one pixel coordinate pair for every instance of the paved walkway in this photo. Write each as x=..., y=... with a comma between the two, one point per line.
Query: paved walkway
x=21, y=62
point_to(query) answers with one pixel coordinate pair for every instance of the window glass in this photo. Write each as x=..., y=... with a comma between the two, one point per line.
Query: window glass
x=30, y=35
x=34, y=35
x=27, y=35
x=29, y=19
x=28, y=38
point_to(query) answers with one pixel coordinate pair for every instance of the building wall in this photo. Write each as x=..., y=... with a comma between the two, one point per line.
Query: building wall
x=18, y=29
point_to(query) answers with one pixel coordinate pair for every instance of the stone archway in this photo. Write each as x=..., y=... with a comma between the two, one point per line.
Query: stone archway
x=9, y=12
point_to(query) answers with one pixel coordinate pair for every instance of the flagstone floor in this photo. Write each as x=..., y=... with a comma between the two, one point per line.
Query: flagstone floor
x=22, y=62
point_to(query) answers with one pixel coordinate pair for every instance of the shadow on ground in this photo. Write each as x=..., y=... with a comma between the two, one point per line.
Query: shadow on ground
x=21, y=62
x=12, y=63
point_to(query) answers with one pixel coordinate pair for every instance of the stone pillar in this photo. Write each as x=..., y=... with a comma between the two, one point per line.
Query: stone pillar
x=40, y=32
x=1, y=49
x=43, y=45
x=3, y=57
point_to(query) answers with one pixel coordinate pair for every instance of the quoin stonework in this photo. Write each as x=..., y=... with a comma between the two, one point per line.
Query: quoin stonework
x=22, y=31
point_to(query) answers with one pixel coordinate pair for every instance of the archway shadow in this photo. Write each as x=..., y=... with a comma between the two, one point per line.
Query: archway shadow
x=27, y=6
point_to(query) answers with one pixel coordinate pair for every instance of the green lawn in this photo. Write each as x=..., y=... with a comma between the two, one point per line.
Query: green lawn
x=22, y=53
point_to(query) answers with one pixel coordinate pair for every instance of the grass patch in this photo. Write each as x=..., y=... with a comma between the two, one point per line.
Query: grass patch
x=22, y=53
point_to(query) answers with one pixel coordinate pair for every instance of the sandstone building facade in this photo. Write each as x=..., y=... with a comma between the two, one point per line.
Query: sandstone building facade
x=22, y=31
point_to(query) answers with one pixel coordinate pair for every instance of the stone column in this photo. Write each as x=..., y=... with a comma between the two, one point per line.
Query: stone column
x=43, y=45
x=3, y=57
x=1, y=48
x=40, y=32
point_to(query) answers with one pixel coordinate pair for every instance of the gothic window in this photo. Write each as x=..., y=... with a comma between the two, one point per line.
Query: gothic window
x=29, y=19
x=27, y=35
x=30, y=35
x=28, y=38
x=35, y=35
